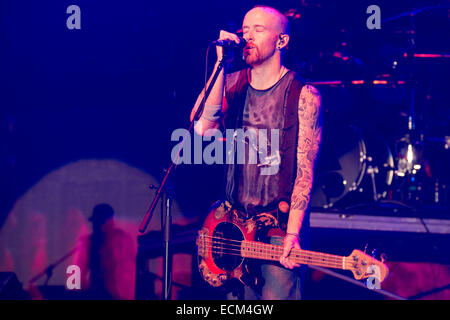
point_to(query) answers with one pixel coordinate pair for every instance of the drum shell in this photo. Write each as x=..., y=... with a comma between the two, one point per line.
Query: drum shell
x=355, y=166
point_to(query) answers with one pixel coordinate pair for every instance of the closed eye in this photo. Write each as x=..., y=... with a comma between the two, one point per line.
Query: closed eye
x=260, y=28
x=257, y=28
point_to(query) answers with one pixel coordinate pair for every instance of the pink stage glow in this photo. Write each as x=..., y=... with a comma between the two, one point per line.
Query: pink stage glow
x=51, y=219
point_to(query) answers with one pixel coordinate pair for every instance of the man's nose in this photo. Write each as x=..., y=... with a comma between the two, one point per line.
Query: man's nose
x=248, y=36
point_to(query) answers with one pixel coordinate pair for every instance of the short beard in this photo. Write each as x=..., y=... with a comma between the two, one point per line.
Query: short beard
x=253, y=59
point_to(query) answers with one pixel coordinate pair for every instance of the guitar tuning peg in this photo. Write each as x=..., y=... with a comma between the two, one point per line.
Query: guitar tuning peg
x=383, y=257
x=374, y=253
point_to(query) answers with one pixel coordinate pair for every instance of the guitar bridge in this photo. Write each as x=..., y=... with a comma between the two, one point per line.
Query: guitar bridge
x=201, y=242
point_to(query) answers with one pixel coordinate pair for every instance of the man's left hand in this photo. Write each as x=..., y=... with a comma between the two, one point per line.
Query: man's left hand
x=290, y=242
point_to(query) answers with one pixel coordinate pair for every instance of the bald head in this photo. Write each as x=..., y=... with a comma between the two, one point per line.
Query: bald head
x=266, y=31
x=278, y=22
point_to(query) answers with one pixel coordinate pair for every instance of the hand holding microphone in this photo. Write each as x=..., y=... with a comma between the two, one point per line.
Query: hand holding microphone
x=227, y=40
x=230, y=43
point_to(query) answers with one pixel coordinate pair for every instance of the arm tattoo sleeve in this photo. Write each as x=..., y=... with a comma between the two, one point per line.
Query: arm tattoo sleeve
x=309, y=138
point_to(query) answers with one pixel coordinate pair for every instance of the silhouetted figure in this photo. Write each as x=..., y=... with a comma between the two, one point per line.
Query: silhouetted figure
x=111, y=258
x=101, y=217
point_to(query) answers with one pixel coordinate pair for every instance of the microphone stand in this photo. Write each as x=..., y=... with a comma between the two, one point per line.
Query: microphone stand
x=166, y=223
x=162, y=188
x=49, y=270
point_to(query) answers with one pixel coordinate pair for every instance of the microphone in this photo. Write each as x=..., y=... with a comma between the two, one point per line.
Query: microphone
x=230, y=43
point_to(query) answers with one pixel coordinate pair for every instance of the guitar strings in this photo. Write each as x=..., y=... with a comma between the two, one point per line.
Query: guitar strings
x=314, y=262
x=277, y=250
x=269, y=244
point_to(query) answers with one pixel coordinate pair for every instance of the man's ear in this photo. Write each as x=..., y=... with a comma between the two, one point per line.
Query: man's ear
x=283, y=40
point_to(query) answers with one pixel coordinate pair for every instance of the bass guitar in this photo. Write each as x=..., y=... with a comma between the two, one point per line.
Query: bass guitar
x=227, y=239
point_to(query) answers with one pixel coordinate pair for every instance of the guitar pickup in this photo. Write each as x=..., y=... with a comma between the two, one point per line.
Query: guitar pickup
x=218, y=244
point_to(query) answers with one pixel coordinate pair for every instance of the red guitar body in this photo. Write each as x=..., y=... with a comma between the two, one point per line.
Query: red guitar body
x=215, y=266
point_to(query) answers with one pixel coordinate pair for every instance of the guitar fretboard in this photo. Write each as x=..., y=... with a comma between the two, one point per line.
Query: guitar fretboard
x=264, y=251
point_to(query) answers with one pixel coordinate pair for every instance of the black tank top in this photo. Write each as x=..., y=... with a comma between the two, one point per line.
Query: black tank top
x=268, y=120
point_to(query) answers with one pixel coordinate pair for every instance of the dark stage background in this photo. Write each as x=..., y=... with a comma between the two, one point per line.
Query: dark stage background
x=86, y=116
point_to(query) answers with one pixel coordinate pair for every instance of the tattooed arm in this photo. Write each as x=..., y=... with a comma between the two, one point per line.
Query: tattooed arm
x=309, y=138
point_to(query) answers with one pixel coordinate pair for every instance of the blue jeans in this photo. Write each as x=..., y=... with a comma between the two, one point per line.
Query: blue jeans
x=279, y=283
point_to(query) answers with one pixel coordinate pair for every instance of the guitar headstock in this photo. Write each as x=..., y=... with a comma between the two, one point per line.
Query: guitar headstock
x=364, y=266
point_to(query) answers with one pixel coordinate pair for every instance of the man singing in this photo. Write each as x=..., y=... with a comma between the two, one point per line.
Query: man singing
x=269, y=96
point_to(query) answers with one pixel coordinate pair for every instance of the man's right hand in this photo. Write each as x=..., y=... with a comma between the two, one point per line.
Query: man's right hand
x=224, y=35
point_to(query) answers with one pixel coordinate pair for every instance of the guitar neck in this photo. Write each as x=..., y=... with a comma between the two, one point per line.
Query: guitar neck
x=264, y=251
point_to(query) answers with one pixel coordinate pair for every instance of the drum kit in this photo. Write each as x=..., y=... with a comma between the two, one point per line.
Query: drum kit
x=380, y=147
